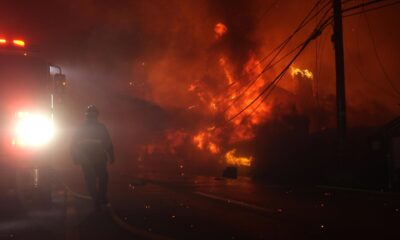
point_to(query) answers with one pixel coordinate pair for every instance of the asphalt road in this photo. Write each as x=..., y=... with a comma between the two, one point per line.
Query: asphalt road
x=200, y=208
x=214, y=208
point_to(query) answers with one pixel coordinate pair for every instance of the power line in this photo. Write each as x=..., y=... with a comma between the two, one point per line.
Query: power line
x=319, y=51
x=267, y=95
x=372, y=9
x=387, y=77
x=357, y=67
x=362, y=5
x=279, y=48
x=272, y=85
x=267, y=10
x=303, y=23
x=315, y=34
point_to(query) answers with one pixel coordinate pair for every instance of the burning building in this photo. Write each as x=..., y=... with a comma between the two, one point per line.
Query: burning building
x=184, y=72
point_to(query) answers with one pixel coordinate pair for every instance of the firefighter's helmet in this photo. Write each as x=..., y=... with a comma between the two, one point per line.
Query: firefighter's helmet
x=92, y=111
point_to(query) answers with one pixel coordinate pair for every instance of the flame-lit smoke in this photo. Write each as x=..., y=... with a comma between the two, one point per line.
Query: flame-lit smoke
x=220, y=106
x=198, y=64
x=227, y=104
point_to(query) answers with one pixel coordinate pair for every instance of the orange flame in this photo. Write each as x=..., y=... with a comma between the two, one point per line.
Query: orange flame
x=213, y=148
x=208, y=140
x=233, y=159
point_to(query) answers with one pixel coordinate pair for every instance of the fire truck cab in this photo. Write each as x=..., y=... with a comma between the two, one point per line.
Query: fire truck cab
x=31, y=89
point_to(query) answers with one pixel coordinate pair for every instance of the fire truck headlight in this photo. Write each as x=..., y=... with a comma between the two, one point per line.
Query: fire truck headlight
x=33, y=129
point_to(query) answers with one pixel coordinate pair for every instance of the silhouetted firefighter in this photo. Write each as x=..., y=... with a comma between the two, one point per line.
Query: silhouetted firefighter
x=92, y=149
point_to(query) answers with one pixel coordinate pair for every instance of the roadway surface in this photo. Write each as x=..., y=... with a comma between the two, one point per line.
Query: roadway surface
x=200, y=208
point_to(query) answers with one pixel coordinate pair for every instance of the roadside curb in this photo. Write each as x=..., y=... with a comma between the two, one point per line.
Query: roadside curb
x=358, y=190
x=223, y=200
x=235, y=202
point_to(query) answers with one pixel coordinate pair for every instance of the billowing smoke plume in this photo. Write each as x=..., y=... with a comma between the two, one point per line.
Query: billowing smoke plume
x=170, y=71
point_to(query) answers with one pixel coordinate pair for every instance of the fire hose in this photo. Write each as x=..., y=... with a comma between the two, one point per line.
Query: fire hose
x=131, y=229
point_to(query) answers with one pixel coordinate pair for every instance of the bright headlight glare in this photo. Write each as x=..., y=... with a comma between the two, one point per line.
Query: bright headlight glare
x=33, y=129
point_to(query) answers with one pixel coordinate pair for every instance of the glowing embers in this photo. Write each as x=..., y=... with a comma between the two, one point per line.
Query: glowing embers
x=233, y=159
x=3, y=41
x=32, y=130
x=220, y=30
x=304, y=73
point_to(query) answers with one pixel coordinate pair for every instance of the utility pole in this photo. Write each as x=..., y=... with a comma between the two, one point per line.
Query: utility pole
x=340, y=83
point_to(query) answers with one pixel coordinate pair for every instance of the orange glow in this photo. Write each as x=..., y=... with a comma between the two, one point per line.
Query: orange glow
x=220, y=29
x=232, y=159
x=199, y=140
x=253, y=116
x=19, y=43
x=192, y=87
x=175, y=139
x=221, y=97
x=213, y=106
x=208, y=140
x=3, y=41
x=213, y=148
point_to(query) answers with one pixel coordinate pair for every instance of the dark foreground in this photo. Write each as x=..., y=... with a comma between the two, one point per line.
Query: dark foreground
x=201, y=208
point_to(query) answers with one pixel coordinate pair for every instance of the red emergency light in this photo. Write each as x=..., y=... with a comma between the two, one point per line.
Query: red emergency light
x=19, y=43
x=14, y=42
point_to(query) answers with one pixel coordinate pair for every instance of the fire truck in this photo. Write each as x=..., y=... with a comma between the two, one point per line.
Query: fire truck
x=31, y=89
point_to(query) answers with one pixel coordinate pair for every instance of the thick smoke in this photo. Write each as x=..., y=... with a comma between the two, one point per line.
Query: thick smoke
x=137, y=60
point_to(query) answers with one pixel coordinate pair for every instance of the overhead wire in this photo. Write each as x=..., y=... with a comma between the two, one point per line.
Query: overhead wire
x=357, y=67
x=266, y=11
x=315, y=34
x=304, y=22
x=273, y=84
x=279, y=48
x=319, y=47
x=378, y=58
x=372, y=9
x=362, y=5
x=258, y=22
